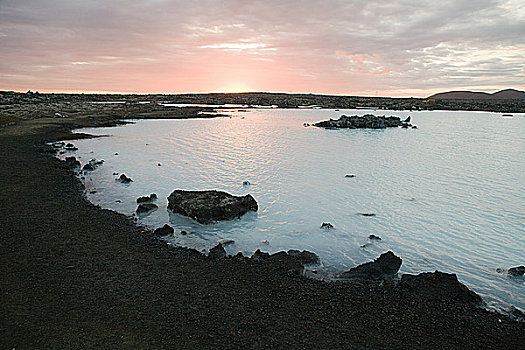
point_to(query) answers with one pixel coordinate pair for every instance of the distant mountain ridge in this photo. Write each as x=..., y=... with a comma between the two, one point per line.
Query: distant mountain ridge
x=507, y=94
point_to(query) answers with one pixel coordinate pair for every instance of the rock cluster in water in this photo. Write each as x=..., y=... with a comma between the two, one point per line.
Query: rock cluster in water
x=368, y=121
x=210, y=206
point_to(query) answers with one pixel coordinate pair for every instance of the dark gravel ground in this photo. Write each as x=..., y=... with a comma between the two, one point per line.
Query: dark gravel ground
x=73, y=275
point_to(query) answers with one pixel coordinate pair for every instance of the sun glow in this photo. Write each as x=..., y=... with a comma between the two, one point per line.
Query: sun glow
x=234, y=88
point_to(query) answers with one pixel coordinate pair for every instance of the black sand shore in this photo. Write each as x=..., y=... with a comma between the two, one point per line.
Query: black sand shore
x=77, y=276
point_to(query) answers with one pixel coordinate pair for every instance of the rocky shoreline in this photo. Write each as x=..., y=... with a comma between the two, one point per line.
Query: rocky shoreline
x=77, y=276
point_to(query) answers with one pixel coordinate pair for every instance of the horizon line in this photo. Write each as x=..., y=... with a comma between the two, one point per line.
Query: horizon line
x=91, y=92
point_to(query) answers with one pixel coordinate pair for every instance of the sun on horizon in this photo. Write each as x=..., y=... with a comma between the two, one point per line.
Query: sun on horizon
x=235, y=87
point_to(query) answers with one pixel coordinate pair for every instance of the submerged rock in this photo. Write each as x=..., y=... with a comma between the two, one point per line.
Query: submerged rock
x=210, y=206
x=305, y=257
x=146, y=208
x=368, y=121
x=439, y=285
x=387, y=265
x=226, y=241
x=164, y=230
x=516, y=271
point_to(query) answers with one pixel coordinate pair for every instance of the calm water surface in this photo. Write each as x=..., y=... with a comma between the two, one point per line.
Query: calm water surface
x=448, y=196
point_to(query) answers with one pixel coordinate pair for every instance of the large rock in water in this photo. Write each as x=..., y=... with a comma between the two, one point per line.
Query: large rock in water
x=439, y=285
x=385, y=266
x=517, y=271
x=210, y=206
x=368, y=121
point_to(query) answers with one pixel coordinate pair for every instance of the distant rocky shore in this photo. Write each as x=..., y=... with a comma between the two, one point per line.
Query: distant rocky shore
x=16, y=106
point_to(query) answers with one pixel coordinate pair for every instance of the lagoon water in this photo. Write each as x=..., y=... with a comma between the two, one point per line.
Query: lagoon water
x=447, y=196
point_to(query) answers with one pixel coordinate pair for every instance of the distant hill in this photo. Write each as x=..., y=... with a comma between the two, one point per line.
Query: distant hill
x=507, y=94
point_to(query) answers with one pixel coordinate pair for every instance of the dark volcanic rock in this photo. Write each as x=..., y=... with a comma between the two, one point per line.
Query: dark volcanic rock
x=439, y=285
x=517, y=271
x=146, y=199
x=374, y=237
x=72, y=162
x=143, y=199
x=305, y=257
x=146, y=208
x=88, y=167
x=217, y=252
x=258, y=255
x=164, y=230
x=210, y=206
x=124, y=179
x=386, y=265
x=368, y=121
x=516, y=314
x=287, y=263
x=327, y=225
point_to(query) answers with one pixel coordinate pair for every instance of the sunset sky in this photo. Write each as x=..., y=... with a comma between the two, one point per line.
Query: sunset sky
x=386, y=48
